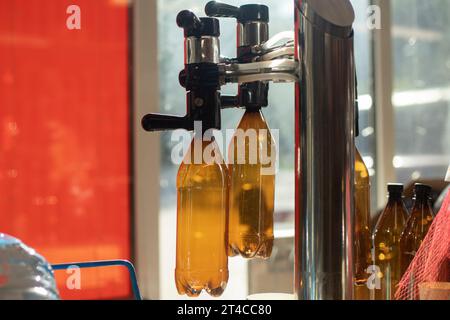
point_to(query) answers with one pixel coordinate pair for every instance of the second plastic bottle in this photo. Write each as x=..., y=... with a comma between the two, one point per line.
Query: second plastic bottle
x=252, y=190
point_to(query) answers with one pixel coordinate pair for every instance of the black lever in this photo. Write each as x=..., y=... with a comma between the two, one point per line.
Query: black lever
x=189, y=22
x=221, y=10
x=161, y=122
x=243, y=14
x=197, y=27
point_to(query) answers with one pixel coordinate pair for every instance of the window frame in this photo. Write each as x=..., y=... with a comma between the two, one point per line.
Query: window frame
x=146, y=166
x=384, y=110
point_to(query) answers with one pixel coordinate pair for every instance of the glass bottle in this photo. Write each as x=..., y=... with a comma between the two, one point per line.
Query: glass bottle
x=386, y=244
x=203, y=189
x=252, y=191
x=417, y=226
x=362, y=236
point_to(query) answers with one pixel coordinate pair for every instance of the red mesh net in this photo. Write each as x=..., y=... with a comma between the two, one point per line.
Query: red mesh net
x=431, y=265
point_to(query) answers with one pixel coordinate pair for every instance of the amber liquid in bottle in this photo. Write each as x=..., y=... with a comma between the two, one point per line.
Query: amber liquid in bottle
x=386, y=244
x=417, y=226
x=362, y=240
x=252, y=190
x=202, y=261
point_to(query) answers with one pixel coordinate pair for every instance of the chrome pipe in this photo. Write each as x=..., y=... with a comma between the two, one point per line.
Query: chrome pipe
x=252, y=33
x=278, y=70
x=325, y=147
x=205, y=49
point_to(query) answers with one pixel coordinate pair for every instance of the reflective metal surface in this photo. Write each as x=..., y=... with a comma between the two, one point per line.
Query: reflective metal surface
x=252, y=33
x=325, y=160
x=202, y=50
x=331, y=16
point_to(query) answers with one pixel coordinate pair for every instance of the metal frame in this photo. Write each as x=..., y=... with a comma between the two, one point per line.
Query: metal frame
x=384, y=114
x=147, y=185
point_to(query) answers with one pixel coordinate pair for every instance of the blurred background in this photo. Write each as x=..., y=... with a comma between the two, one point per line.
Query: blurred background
x=80, y=181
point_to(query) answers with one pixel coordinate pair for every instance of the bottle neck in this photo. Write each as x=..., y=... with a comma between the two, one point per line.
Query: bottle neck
x=253, y=115
x=395, y=198
x=420, y=202
x=395, y=213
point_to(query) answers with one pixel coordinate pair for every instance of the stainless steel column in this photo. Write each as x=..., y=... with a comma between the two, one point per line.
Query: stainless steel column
x=325, y=145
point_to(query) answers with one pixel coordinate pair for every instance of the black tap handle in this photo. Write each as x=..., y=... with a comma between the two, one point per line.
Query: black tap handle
x=188, y=21
x=219, y=9
x=197, y=27
x=161, y=122
x=243, y=14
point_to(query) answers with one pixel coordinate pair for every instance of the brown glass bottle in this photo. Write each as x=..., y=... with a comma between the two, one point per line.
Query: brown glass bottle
x=362, y=236
x=203, y=189
x=252, y=190
x=417, y=226
x=386, y=244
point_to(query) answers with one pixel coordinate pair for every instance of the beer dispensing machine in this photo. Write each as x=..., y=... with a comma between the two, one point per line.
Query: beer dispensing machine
x=319, y=57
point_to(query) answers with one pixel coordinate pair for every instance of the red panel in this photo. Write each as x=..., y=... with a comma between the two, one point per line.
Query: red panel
x=64, y=136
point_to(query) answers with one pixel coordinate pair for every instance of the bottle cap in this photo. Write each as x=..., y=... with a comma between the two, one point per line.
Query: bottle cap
x=253, y=12
x=211, y=27
x=422, y=190
x=395, y=188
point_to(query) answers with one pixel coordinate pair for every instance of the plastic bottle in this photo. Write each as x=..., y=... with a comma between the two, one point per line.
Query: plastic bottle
x=203, y=190
x=252, y=191
x=24, y=274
